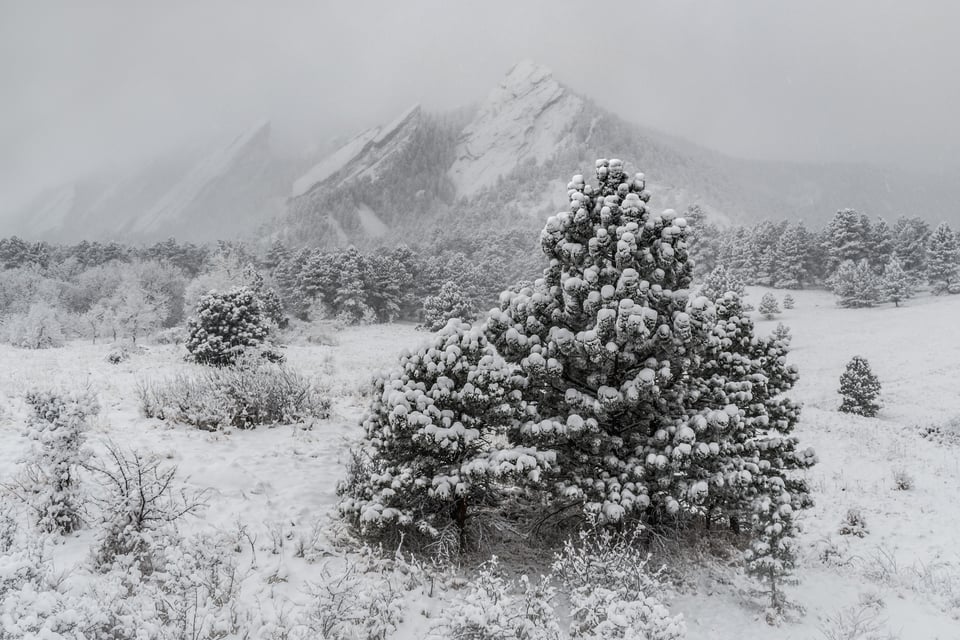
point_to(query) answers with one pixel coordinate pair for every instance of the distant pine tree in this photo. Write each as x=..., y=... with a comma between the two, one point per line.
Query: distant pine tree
x=943, y=259
x=450, y=302
x=769, y=306
x=788, y=302
x=855, y=285
x=896, y=285
x=793, y=247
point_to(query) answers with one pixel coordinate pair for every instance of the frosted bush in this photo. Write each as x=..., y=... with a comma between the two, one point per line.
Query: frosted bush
x=854, y=524
x=358, y=601
x=140, y=505
x=494, y=608
x=255, y=392
x=612, y=593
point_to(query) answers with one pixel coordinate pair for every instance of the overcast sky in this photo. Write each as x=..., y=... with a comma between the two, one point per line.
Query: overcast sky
x=88, y=84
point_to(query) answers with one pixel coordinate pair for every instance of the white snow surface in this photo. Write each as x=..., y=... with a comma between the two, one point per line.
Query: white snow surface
x=287, y=475
x=527, y=118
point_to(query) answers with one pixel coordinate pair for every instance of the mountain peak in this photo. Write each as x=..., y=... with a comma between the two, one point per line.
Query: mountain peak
x=528, y=117
x=527, y=72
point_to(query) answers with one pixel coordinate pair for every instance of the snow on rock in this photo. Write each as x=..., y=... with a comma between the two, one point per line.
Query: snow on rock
x=371, y=222
x=527, y=118
x=362, y=154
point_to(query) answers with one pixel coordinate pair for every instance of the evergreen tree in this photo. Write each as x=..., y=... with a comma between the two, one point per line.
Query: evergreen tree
x=896, y=285
x=855, y=285
x=910, y=244
x=435, y=447
x=635, y=386
x=859, y=389
x=943, y=259
x=720, y=281
x=450, y=302
x=226, y=325
x=847, y=237
x=350, y=301
x=764, y=240
x=769, y=306
x=788, y=302
x=881, y=245
x=790, y=268
x=386, y=283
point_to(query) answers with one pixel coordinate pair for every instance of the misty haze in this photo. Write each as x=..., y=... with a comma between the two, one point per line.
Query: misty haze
x=523, y=321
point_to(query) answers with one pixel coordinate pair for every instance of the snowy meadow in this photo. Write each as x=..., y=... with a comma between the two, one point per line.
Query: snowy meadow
x=265, y=554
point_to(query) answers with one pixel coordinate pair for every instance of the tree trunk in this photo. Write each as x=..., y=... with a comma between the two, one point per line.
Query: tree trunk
x=460, y=516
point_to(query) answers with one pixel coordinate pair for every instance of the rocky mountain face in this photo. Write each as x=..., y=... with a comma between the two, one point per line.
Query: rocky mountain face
x=439, y=178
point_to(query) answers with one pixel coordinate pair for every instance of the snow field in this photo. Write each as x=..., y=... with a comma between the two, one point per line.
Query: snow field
x=278, y=484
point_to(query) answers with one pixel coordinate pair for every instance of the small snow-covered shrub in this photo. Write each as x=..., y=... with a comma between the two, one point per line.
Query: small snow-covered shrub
x=173, y=335
x=612, y=593
x=140, y=506
x=226, y=325
x=859, y=389
x=493, y=608
x=358, y=601
x=902, y=480
x=788, y=302
x=854, y=524
x=49, y=482
x=862, y=622
x=255, y=392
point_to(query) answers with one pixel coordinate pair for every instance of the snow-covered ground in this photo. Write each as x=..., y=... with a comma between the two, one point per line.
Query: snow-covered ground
x=281, y=482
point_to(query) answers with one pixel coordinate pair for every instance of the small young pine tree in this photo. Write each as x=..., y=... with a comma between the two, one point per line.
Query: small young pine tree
x=434, y=447
x=896, y=284
x=788, y=302
x=450, y=302
x=772, y=555
x=859, y=389
x=58, y=426
x=225, y=325
x=769, y=306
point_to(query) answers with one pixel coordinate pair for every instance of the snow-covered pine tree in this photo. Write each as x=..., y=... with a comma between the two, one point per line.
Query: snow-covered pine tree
x=910, y=244
x=58, y=426
x=859, y=389
x=769, y=306
x=750, y=373
x=435, y=443
x=387, y=282
x=847, y=237
x=350, y=301
x=772, y=556
x=881, y=245
x=855, y=285
x=764, y=239
x=450, y=302
x=943, y=259
x=719, y=281
x=791, y=258
x=788, y=302
x=895, y=284
x=630, y=375
x=225, y=325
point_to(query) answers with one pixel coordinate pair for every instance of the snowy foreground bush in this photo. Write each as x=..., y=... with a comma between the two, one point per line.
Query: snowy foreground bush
x=49, y=479
x=251, y=393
